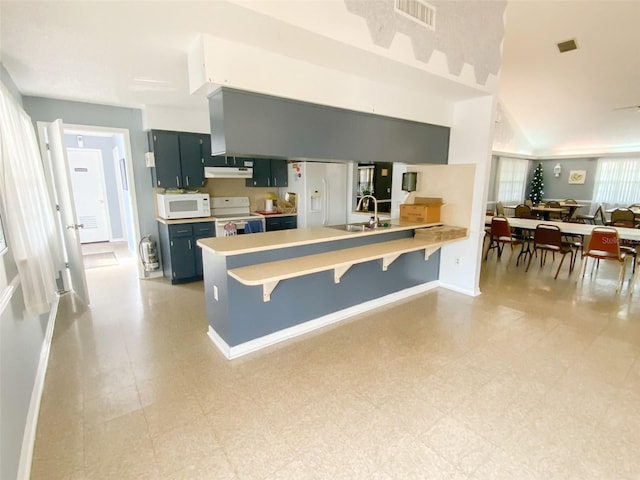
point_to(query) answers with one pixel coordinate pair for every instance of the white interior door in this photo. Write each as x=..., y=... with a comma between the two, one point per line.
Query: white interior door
x=89, y=193
x=56, y=154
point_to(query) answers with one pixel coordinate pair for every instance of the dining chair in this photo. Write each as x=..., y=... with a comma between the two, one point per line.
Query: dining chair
x=548, y=238
x=500, y=236
x=499, y=209
x=598, y=215
x=570, y=216
x=523, y=211
x=623, y=217
x=554, y=215
x=605, y=245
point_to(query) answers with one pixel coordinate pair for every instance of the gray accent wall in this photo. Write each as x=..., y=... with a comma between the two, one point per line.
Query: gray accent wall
x=105, y=145
x=555, y=188
x=252, y=124
x=78, y=113
x=21, y=341
x=559, y=187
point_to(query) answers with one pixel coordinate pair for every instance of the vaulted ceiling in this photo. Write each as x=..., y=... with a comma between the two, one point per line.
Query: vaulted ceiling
x=134, y=54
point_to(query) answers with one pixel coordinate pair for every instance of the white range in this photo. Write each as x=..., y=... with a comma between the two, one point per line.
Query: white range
x=232, y=216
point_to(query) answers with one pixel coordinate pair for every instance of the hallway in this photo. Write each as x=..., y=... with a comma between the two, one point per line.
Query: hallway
x=533, y=379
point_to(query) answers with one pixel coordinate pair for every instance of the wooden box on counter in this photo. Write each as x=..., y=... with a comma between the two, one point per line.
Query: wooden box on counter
x=441, y=234
x=424, y=209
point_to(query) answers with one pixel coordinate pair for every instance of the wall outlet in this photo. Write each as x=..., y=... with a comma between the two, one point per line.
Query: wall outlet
x=458, y=260
x=215, y=292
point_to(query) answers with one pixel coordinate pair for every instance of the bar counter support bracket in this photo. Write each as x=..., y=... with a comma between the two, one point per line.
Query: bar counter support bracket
x=267, y=289
x=429, y=251
x=339, y=271
x=388, y=260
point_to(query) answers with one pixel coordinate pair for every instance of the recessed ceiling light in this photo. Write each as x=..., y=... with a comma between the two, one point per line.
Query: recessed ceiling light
x=567, y=46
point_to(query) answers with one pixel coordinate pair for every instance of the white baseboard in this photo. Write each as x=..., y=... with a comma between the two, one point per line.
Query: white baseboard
x=29, y=437
x=155, y=274
x=454, y=288
x=315, y=324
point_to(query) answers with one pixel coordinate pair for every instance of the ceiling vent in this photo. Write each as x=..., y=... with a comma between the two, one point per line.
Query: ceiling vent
x=567, y=46
x=418, y=11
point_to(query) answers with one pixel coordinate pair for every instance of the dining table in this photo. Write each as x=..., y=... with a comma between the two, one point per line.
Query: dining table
x=572, y=207
x=569, y=228
x=584, y=229
x=547, y=211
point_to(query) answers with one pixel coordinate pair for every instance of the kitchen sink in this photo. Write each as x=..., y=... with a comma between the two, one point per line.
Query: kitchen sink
x=359, y=227
x=352, y=227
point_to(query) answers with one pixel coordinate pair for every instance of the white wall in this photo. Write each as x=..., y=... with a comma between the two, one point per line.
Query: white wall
x=471, y=139
x=179, y=119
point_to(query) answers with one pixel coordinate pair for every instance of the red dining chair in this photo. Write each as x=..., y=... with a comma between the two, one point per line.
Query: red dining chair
x=500, y=236
x=548, y=238
x=605, y=245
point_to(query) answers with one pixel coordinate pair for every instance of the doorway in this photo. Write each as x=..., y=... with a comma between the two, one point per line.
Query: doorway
x=117, y=184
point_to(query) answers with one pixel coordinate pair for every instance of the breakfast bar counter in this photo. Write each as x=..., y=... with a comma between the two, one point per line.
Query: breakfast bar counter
x=264, y=288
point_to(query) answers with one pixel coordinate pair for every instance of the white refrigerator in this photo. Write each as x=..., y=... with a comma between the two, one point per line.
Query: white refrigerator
x=321, y=192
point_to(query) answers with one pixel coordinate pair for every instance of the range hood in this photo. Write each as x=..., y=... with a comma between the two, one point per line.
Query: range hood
x=249, y=124
x=228, y=172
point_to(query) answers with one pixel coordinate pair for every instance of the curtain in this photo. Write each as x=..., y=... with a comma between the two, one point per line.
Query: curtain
x=511, y=180
x=617, y=182
x=29, y=218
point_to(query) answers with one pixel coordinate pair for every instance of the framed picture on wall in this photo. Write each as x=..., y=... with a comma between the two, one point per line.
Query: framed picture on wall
x=577, y=176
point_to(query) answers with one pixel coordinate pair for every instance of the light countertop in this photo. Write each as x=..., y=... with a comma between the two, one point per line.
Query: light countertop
x=185, y=220
x=241, y=244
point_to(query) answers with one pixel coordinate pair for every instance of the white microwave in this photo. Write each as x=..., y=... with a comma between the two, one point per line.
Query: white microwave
x=172, y=206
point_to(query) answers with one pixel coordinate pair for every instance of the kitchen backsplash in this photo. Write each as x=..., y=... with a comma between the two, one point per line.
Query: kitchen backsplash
x=235, y=187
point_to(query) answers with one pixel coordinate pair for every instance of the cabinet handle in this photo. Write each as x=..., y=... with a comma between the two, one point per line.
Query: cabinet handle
x=187, y=178
x=189, y=244
x=275, y=182
x=268, y=182
x=177, y=181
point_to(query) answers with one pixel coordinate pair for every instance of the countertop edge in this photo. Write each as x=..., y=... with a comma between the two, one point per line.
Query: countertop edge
x=179, y=221
x=274, y=240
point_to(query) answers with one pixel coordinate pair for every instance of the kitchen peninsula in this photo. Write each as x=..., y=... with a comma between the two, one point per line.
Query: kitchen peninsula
x=265, y=288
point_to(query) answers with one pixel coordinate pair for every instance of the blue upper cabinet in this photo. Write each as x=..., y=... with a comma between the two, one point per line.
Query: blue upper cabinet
x=268, y=172
x=179, y=158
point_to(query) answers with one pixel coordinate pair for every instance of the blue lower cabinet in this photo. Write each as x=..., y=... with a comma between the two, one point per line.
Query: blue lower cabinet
x=281, y=223
x=181, y=256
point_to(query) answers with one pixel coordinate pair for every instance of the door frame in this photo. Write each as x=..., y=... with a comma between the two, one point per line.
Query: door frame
x=134, y=225
x=103, y=185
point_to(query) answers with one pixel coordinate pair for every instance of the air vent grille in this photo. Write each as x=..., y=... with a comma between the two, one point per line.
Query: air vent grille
x=88, y=222
x=567, y=46
x=418, y=11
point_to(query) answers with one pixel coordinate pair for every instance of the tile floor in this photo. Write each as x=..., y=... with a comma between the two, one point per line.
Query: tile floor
x=533, y=379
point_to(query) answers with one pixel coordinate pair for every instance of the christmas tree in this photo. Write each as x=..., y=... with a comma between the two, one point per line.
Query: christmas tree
x=537, y=185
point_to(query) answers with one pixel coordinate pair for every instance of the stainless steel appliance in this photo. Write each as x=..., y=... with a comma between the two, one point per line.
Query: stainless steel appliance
x=232, y=216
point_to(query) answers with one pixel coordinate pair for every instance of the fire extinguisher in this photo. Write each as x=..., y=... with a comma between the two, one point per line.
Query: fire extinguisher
x=148, y=254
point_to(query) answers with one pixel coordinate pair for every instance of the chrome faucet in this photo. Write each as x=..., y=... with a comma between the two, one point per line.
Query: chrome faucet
x=375, y=209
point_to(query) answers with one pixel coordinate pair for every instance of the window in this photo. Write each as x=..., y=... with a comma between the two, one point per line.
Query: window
x=511, y=180
x=617, y=181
